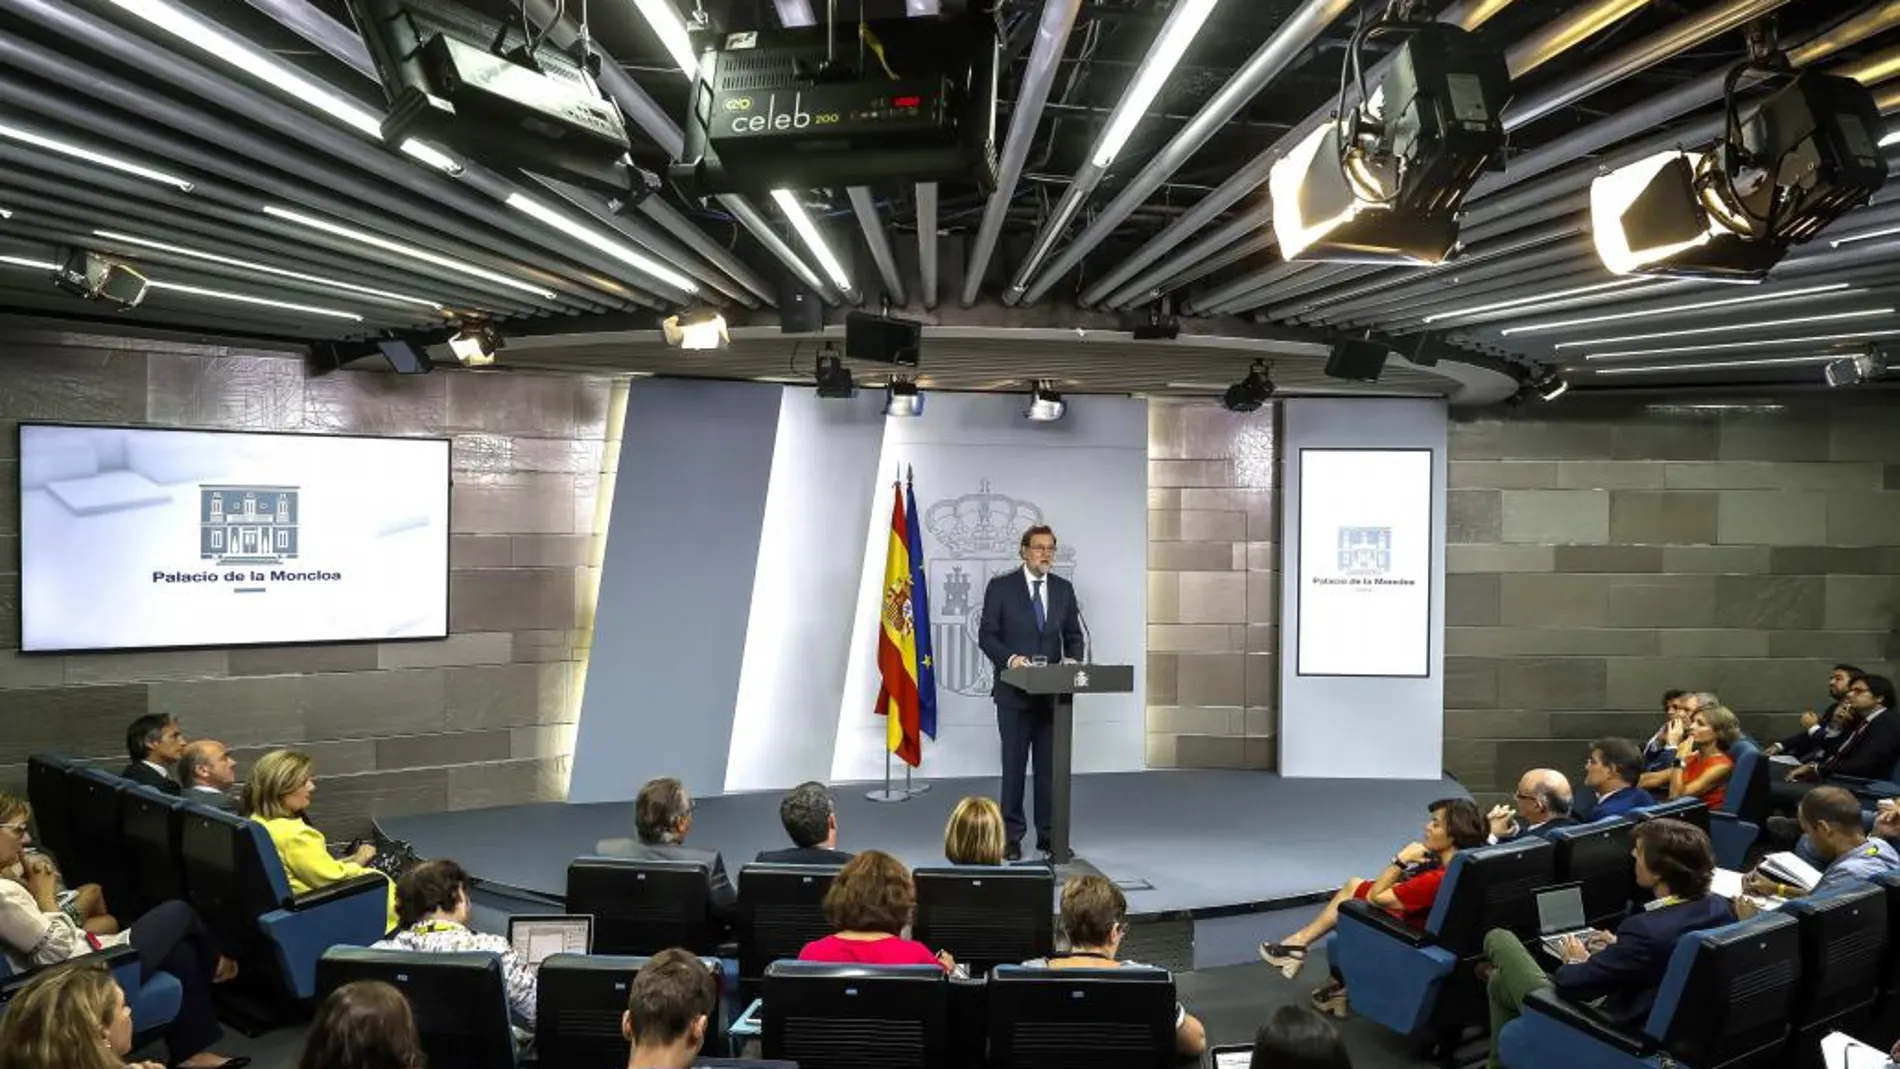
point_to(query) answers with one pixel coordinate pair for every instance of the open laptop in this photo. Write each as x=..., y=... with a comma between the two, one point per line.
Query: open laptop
x=539, y=936
x=1233, y=1056
x=1560, y=914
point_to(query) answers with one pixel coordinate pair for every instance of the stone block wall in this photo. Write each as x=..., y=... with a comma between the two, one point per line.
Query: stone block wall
x=484, y=718
x=1213, y=586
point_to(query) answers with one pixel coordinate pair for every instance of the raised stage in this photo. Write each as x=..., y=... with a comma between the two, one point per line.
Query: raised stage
x=1182, y=843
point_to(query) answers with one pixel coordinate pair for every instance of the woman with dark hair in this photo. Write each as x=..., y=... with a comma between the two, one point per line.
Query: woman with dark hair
x=70, y=1018
x=362, y=1025
x=1094, y=919
x=432, y=917
x=1406, y=889
x=1297, y=1038
x=870, y=903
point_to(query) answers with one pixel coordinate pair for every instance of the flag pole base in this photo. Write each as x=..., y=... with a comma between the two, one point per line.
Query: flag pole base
x=888, y=794
x=918, y=787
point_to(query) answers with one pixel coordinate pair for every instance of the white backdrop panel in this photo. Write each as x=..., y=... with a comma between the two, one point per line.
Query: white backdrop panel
x=1365, y=556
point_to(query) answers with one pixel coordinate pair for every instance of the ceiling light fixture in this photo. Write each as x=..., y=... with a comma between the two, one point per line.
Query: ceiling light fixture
x=834, y=379
x=1864, y=366
x=1251, y=392
x=65, y=148
x=1675, y=309
x=1550, y=385
x=1779, y=175
x=1752, y=343
x=1184, y=23
x=477, y=345
x=1045, y=404
x=1718, y=365
x=801, y=221
x=1883, y=232
x=21, y=261
x=252, y=265
x=1726, y=328
x=903, y=398
x=671, y=30
x=619, y=250
x=411, y=251
x=1544, y=298
x=696, y=329
x=245, y=298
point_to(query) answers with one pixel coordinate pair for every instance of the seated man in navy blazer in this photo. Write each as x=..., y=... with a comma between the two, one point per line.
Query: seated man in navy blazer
x=1609, y=779
x=811, y=820
x=1028, y=612
x=662, y=817
x=1618, y=973
x=1541, y=806
x=154, y=742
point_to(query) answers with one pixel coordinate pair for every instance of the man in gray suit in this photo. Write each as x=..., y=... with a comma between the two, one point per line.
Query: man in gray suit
x=662, y=817
x=209, y=774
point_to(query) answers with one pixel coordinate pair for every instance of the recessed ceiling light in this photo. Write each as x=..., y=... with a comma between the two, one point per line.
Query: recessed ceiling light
x=245, y=298
x=1547, y=298
x=1613, y=317
x=403, y=249
x=252, y=265
x=1718, y=365
x=1727, y=328
x=67, y=148
x=1750, y=344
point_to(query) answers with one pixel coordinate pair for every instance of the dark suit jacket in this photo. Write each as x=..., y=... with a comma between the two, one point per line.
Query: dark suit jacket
x=213, y=797
x=140, y=772
x=1009, y=627
x=804, y=855
x=1869, y=751
x=1627, y=973
x=1616, y=805
x=1542, y=831
x=723, y=898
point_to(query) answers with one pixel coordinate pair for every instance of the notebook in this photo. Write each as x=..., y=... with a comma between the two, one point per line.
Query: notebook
x=537, y=937
x=1560, y=914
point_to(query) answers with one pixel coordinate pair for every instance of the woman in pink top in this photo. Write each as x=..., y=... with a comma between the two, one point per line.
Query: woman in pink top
x=870, y=903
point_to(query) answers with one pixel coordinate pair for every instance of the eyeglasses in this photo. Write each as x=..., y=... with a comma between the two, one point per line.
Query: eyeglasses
x=1522, y=797
x=17, y=829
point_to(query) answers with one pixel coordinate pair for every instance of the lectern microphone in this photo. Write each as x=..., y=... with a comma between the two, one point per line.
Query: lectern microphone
x=1082, y=618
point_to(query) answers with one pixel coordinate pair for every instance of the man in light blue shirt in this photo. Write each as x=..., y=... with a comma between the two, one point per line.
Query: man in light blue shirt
x=1831, y=821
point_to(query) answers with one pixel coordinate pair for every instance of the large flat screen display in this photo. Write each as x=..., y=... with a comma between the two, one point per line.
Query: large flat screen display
x=138, y=538
x=1365, y=562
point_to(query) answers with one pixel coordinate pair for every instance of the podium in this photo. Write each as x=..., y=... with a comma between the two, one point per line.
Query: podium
x=1065, y=681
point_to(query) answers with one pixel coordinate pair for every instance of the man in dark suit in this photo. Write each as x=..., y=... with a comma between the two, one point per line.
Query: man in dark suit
x=1028, y=613
x=209, y=774
x=662, y=817
x=1541, y=806
x=1621, y=972
x=1609, y=776
x=812, y=822
x=155, y=742
x=1868, y=748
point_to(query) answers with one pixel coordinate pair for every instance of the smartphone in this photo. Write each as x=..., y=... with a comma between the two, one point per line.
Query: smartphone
x=1888, y=805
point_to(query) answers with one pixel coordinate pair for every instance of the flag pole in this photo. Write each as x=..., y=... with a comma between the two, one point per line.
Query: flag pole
x=920, y=787
x=886, y=793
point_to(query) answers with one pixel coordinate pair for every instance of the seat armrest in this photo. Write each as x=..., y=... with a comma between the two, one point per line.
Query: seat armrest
x=1369, y=914
x=1585, y=1020
x=336, y=892
x=113, y=958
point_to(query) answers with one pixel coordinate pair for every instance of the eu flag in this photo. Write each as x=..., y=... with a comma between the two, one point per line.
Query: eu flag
x=920, y=611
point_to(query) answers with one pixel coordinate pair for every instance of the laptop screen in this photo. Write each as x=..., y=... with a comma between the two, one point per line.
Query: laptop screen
x=1233, y=1057
x=1560, y=909
x=536, y=938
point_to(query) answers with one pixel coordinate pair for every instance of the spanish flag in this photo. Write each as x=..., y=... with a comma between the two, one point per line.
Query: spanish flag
x=897, y=642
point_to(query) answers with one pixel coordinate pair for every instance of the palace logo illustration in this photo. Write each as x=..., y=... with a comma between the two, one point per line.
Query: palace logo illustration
x=1365, y=551
x=247, y=524
x=969, y=540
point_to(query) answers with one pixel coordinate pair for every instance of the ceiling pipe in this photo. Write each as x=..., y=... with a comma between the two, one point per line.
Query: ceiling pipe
x=209, y=217
x=762, y=229
x=315, y=25
x=1356, y=288
x=1185, y=265
x=1304, y=273
x=927, y=242
x=1045, y=55
x=431, y=189
x=1262, y=241
x=1287, y=43
x=150, y=137
x=1471, y=14
x=869, y=222
x=1554, y=38
x=669, y=219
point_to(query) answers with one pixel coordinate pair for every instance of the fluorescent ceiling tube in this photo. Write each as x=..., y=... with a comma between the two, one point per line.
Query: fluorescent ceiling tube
x=21, y=261
x=795, y=13
x=1750, y=344
x=1184, y=22
x=1726, y=328
x=252, y=265
x=411, y=251
x=245, y=298
x=1885, y=232
x=671, y=30
x=619, y=250
x=1542, y=298
x=67, y=149
x=696, y=329
x=1717, y=365
x=1890, y=139
x=807, y=230
x=1674, y=309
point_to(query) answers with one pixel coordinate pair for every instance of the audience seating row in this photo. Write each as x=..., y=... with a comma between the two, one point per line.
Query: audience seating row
x=819, y=1016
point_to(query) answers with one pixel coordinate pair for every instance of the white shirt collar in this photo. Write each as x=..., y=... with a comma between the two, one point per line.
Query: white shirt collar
x=1032, y=579
x=1875, y=713
x=158, y=768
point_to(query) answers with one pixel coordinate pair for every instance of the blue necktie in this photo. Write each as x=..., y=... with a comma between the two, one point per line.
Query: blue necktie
x=1035, y=599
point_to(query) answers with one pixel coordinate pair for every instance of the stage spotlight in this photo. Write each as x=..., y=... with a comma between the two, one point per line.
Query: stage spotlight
x=477, y=345
x=1780, y=175
x=696, y=328
x=92, y=277
x=834, y=379
x=903, y=398
x=1045, y=404
x=1249, y=393
x=1550, y=385
x=1864, y=366
x=1383, y=182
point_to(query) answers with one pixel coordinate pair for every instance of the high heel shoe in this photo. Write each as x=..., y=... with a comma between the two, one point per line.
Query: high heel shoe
x=1331, y=999
x=1288, y=959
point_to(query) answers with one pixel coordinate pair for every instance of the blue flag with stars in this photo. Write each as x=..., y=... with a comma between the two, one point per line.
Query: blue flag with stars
x=920, y=612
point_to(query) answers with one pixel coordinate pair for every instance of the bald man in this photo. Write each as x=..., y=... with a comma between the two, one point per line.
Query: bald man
x=209, y=774
x=1542, y=805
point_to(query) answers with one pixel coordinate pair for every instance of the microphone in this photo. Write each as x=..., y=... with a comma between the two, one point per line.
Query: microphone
x=1082, y=618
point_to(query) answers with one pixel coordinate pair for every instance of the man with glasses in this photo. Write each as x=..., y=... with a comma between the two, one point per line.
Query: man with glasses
x=1821, y=732
x=662, y=817
x=1030, y=616
x=1542, y=805
x=1610, y=774
x=1868, y=750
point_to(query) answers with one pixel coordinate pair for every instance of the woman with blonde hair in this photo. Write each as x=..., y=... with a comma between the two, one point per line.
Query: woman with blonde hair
x=1703, y=765
x=277, y=795
x=974, y=835
x=70, y=1018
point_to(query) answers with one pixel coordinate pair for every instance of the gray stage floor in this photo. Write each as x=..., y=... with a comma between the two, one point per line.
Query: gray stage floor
x=1202, y=840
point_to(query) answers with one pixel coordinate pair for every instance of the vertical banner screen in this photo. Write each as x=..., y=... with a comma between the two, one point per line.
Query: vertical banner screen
x=1365, y=562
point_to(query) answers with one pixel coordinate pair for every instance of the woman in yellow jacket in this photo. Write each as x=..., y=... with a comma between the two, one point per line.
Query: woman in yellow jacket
x=276, y=796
